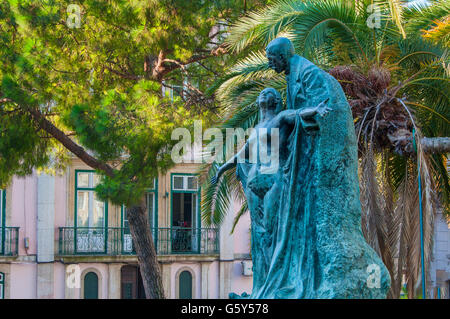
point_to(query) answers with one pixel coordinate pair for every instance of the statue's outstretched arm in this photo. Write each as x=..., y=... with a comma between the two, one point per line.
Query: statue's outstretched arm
x=308, y=115
x=231, y=163
x=286, y=117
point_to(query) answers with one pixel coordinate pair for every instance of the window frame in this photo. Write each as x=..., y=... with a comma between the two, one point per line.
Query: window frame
x=169, y=90
x=2, y=285
x=2, y=207
x=2, y=219
x=198, y=192
x=185, y=177
x=86, y=189
x=75, y=215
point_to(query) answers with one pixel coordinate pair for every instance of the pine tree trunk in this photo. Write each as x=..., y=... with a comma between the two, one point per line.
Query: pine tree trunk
x=146, y=253
x=137, y=216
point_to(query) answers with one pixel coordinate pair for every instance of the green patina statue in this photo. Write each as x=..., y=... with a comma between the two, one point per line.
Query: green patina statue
x=306, y=215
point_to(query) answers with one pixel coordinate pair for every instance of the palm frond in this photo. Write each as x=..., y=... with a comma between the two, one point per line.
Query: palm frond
x=421, y=17
x=370, y=200
x=264, y=25
x=215, y=199
x=377, y=208
x=404, y=232
x=440, y=32
x=396, y=9
x=252, y=68
x=242, y=211
x=429, y=203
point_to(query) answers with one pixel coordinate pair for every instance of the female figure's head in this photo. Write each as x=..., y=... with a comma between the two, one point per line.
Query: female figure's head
x=269, y=102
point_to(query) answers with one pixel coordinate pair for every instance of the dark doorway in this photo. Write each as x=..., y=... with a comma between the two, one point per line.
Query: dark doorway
x=91, y=286
x=131, y=283
x=184, y=233
x=185, y=285
x=183, y=209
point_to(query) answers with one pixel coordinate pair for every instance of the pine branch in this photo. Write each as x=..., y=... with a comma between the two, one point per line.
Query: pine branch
x=68, y=143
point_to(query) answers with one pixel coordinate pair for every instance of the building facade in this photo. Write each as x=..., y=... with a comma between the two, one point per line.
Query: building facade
x=57, y=240
x=440, y=263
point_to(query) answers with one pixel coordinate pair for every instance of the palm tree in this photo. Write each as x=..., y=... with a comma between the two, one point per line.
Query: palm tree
x=396, y=80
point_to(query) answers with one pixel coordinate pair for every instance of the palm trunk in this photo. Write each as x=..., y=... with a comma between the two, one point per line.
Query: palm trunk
x=436, y=144
x=146, y=253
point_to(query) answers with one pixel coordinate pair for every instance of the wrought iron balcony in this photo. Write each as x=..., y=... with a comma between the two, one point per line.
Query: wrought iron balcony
x=115, y=241
x=9, y=241
x=185, y=240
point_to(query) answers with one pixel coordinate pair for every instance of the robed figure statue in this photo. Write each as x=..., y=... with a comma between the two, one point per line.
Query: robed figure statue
x=306, y=215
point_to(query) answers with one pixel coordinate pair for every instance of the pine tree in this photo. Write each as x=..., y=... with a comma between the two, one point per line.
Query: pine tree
x=85, y=79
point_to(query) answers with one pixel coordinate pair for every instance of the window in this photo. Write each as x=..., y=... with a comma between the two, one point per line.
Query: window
x=448, y=289
x=184, y=182
x=90, y=214
x=2, y=207
x=2, y=220
x=152, y=207
x=185, y=213
x=185, y=285
x=91, y=286
x=127, y=240
x=2, y=285
x=171, y=91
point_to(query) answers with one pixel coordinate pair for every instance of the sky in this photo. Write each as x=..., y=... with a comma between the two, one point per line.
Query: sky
x=417, y=2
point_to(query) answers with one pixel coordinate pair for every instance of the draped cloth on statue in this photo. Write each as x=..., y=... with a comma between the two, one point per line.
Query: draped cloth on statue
x=255, y=184
x=246, y=171
x=306, y=230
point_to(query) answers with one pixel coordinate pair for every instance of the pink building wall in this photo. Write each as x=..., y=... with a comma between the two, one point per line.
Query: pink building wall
x=59, y=284
x=22, y=206
x=23, y=281
x=24, y=212
x=60, y=201
x=239, y=282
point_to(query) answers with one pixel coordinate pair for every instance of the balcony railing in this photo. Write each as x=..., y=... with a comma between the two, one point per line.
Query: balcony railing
x=184, y=240
x=9, y=241
x=114, y=241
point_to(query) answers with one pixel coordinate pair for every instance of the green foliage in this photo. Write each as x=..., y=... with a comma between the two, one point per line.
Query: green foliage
x=21, y=147
x=101, y=83
x=332, y=33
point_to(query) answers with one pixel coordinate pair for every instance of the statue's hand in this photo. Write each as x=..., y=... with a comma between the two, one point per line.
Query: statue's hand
x=322, y=109
x=308, y=116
